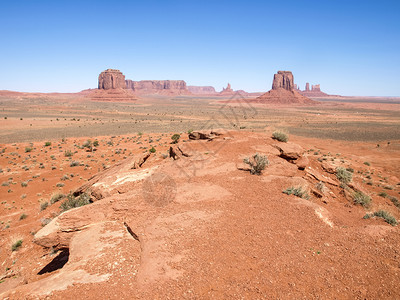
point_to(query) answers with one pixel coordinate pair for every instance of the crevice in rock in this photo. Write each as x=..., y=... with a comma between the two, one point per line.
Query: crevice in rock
x=57, y=263
x=129, y=229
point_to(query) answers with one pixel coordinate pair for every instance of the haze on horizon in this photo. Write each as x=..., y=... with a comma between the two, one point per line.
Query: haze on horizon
x=349, y=47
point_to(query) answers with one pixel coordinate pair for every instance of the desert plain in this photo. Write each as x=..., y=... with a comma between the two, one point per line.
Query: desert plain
x=188, y=219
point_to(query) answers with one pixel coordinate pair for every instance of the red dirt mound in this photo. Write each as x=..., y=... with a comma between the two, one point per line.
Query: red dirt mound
x=282, y=96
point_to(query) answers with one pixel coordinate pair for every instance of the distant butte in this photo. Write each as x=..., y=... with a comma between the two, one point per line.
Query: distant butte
x=112, y=87
x=314, y=92
x=283, y=91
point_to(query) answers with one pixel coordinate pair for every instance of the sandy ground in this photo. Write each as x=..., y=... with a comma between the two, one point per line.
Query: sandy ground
x=223, y=233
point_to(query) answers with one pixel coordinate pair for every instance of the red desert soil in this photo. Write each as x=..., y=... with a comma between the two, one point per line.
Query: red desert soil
x=200, y=226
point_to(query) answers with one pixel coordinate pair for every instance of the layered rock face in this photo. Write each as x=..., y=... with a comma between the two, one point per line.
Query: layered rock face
x=284, y=80
x=201, y=89
x=111, y=79
x=158, y=86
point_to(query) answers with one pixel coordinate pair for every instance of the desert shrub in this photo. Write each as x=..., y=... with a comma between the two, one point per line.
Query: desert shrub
x=280, y=136
x=362, y=199
x=383, y=194
x=56, y=197
x=384, y=215
x=395, y=201
x=367, y=163
x=24, y=184
x=88, y=144
x=152, y=150
x=190, y=131
x=95, y=143
x=68, y=153
x=297, y=191
x=45, y=221
x=72, y=201
x=64, y=177
x=44, y=205
x=74, y=163
x=257, y=163
x=47, y=144
x=16, y=245
x=175, y=138
x=28, y=149
x=343, y=175
x=23, y=216
x=5, y=183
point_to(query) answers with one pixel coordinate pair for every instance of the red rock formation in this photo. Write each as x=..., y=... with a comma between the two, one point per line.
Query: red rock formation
x=111, y=79
x=158, y=86
x=314, y=92
x=227, y=91
x=201, y=89
x=283, y=79
x=283, y=91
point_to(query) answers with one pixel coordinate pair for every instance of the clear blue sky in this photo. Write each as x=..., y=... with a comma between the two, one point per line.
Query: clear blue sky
x=349, y=47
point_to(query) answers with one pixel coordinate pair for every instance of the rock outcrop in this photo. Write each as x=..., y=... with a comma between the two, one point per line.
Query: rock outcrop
x=111, y=79
x=284, y=80
x=158, y=86
x=314, y=92
x=201, y=90
x=283, y=92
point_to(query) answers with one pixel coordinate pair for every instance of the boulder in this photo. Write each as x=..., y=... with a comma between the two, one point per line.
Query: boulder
x=289, y=151
x=302, y=163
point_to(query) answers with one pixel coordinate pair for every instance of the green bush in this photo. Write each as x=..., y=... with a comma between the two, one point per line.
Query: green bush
x=362, y=199
x=95, y=143
x=298, y=192
x=28, y=149
x=384, y=215
x=152, y=150
x=74, y=163
x=175, y=138
x=257, y=163
x=47, y=144
x=280, y=136
x=72, y=201
x=22, y=217
x=16, y=245
x=68, y=153
x=343, y=175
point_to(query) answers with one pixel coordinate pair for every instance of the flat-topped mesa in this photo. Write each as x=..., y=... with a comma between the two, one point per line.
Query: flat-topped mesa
x=111, y=79
x=158, y=86
x=284, y=80
x=201, y=89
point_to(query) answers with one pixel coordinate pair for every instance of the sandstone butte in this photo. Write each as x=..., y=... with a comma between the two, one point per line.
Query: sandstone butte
x=111, y=87
x=283, y=91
